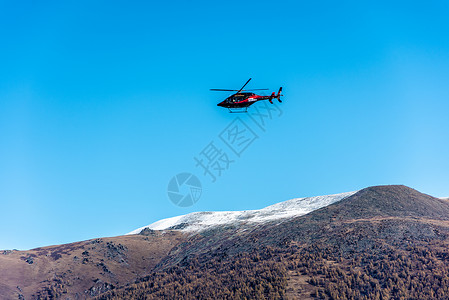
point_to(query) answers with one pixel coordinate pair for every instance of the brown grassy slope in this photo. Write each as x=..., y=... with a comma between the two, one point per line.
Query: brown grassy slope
x=82, y=269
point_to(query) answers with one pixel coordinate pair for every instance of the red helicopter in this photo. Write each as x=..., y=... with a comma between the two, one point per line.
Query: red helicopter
x=239, y=102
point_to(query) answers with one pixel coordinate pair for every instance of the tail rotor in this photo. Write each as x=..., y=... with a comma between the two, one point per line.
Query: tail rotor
x=274, y=96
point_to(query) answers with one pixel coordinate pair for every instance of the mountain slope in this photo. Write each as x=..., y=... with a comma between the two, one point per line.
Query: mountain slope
x=83, y=269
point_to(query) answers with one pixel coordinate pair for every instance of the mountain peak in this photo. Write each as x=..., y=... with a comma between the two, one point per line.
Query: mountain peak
x=392, y=201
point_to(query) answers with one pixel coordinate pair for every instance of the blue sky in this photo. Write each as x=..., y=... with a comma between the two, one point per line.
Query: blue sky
x=102, y=103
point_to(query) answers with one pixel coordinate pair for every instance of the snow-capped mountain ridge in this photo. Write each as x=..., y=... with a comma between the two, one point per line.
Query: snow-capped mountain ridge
x=199, y=221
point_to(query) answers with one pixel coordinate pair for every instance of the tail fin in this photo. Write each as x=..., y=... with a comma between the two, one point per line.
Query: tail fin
x=278, y=96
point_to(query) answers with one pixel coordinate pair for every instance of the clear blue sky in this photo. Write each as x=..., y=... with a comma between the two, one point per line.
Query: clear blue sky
x=102, y=102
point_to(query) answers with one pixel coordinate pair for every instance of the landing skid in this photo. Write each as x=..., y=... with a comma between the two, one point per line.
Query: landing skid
x=238, y=110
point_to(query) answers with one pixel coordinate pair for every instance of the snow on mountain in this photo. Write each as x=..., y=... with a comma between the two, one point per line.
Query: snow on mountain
x=198, y=221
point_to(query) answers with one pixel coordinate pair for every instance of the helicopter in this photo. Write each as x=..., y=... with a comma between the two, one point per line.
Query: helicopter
x=240, y=101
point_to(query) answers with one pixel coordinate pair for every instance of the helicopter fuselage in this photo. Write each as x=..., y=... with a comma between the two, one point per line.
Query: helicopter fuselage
x=242, y=100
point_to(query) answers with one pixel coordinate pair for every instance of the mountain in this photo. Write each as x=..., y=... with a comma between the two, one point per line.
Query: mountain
x=384, y=242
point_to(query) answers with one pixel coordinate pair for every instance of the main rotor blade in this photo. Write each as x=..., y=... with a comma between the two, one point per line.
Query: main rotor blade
x=223, y=90
x=244, y=86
